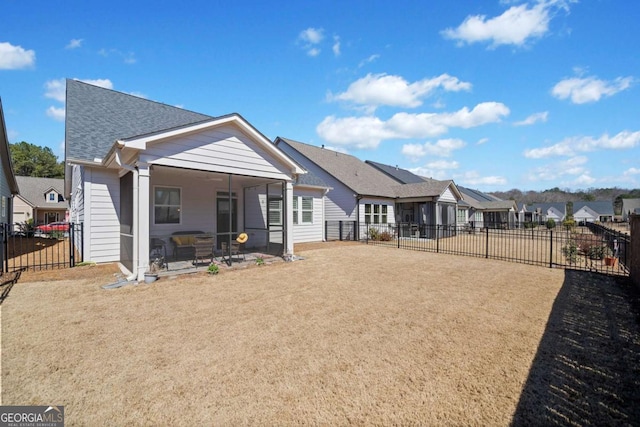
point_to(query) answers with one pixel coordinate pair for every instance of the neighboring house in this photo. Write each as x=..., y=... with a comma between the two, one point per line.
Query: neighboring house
x=629, y=207
x=138, y=169
x=546, y=211
x=486, y=210
x=41, y=199
x=8, y=184
x=362, y=193
x=598, y=211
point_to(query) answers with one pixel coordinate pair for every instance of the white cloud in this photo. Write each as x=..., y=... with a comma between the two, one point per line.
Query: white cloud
x=127, y=57
x=441, y=148
x=56, y=113
x=532, y=119
x=570, y=146
x=105, y=83
x=631, y=171
x=369, y=131
x=474, y=178
x=589, y=89
x=443, y=165
x=310, y=39
x=370, y=59
x=15, y=57
x=515, y=26
x=336, y=45
x=55, y=89
x=74, y=44
x=482, y=141
x=573, y=167
x=382, y=89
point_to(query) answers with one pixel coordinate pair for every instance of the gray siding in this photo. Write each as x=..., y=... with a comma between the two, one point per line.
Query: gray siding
x=340, y=201
x=102, y=226
x=310, y=232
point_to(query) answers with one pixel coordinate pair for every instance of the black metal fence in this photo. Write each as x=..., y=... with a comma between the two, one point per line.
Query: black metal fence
x=340, y=230
x=592, y=248
x=24, y=248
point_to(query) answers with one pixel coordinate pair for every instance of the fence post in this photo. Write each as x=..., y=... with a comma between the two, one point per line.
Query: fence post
x=4, y=250
x=550, y=248
x=437, y=238
x=72, y=252
x=486, y=242
x=326, y=230
x=340, y=230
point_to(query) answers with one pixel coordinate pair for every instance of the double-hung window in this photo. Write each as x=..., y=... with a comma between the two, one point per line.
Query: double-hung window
x=303, y=210
x=375, y=213
x=166, y=205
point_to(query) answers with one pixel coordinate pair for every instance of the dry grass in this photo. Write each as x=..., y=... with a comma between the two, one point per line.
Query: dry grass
x=351, y=335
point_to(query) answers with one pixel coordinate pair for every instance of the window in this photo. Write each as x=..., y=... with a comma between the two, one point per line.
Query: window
x=375, y=214
x=52, y=197
x=4, y=207
x=166, y=201
x=295, y=209
x=307, y=210
x=275, y=212
x=462, y=215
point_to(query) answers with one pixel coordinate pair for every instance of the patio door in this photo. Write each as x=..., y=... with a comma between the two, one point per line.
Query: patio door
x=226, y=216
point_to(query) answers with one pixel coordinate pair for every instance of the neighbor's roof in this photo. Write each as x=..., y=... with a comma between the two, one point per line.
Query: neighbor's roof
x=403, y=176
x=33, y=190
x=7, y=166
x=426, y=188
x=96, y=117
x=361, y=177
x=601, y=207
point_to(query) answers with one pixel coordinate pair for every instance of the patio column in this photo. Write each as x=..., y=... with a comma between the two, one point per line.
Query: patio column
x=288, y=202
x=142, y=233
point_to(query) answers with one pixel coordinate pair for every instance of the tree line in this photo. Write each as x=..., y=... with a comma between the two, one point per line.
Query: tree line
x=32, y=160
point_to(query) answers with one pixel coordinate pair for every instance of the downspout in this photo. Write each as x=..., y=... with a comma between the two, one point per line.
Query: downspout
x=134, y=274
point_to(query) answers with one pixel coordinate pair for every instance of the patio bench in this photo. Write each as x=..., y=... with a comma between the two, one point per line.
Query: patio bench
x=182, y=242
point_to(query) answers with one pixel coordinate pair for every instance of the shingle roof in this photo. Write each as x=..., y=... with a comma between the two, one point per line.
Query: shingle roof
x=403, y=176
x=426, y=188
x=601, y=207
x=361, y=177
x=7, y=167
x=33, y=190
x=97, y=117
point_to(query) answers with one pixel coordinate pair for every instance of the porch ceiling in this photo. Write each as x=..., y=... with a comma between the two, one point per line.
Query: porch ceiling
x=222, y=178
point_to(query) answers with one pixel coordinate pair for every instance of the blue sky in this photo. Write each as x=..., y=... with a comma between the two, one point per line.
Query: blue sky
x=495, y=95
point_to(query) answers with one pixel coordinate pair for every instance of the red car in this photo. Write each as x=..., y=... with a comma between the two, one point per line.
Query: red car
x=53, y=226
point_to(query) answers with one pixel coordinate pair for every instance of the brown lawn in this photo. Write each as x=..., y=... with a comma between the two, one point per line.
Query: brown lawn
x=352, y=334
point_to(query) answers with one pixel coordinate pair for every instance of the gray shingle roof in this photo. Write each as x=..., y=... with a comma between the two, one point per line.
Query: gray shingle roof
x=33, y=190
x=426, y=188
x=361, y=177
x=403, y=176
x=5, y=158
x=601, y=207
x=97, y=117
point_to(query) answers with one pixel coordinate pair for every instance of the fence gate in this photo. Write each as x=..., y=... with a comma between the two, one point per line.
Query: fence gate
x=40, y=248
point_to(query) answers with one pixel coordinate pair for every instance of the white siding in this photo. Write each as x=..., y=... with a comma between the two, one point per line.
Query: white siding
x=102, y=226
x=447, y=196
x=224, y=149
x=310, y=232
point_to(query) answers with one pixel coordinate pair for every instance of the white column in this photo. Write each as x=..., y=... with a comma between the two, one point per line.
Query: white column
x=289, y=218
x=142, y=233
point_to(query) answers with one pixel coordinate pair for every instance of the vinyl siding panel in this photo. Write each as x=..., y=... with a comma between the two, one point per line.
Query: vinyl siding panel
x=340, y=201
x=225, y=149
x=309, y=232
x=5, y=196
x=102, y=203
x=448, y=196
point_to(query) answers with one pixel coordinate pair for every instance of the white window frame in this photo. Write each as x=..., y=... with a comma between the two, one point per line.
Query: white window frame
x=376, y=213
x=179, y=206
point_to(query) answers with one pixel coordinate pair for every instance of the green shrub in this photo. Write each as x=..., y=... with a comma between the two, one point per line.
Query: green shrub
x=374, y=234
x=569, y=224
x=551, y=224
x=570, y=251
x=213, y=269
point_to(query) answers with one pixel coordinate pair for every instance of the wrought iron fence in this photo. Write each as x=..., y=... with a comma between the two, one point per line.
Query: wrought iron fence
x=27, y=248
x=592, y=248
x=340, y=230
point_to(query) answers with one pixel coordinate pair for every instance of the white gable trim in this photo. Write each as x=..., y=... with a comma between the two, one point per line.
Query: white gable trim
x=142, y=142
